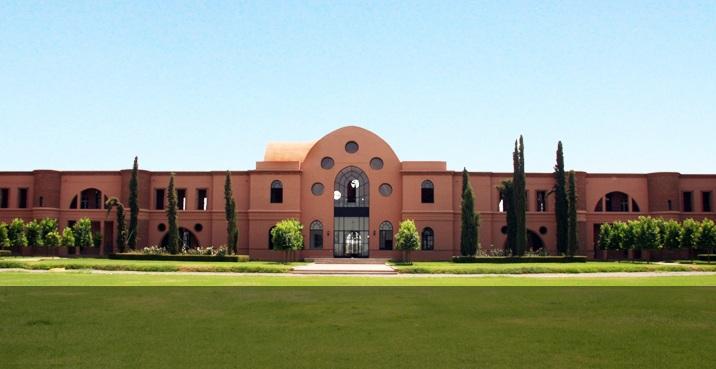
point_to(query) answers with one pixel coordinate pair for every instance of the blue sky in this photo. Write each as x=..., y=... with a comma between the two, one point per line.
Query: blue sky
x=629, y=86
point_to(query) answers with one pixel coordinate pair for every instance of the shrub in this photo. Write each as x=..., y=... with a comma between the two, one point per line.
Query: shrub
x=4, y=239
x=33, y=231
x=53, y=239
x=16, y=233
x=605, y=236
x=518, y=260
x=48, y=225
x=670, y=230
x=154, y=250
x=646, y=233
x=287, y=236
x=83, y=233
x=707, y=235
x=689, y=233
x=68, y=237
x=407, y=239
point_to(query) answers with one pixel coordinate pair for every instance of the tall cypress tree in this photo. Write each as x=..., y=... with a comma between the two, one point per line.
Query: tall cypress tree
x=121, y=223
x=232, y=231
x=468, y=227
x=519, y=197
x=133, y=206
x=173, y=245
x=572, y=241
x=561, y=206
x=507, y=191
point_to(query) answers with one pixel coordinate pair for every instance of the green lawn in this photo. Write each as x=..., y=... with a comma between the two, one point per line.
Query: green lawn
x=273, y=267
x=356, y=327
x=85, y=278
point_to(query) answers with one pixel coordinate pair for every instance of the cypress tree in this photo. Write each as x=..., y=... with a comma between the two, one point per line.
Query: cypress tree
x=561, y=207
x=232, y=231
x=519, y=197
x=133, y=206
x=572, y=241
x=173, y=245
x=121, y=223
x=507, y=190
x=468, y=228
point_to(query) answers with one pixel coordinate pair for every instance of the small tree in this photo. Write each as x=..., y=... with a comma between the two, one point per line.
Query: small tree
x=133, y=206
x=572, y=239
x=33, y=230
x=53, y=239
x=68, y=237
x=670, y=231
x=114, y=202
x=617, y=236
x=469, y=225
x=83, y=233
x=407, y=239
x=48, y=225
x=173, y=245
x=688, y=238
x=605, y=236
x=707, y=236
x=506, y=190
x=4, y=238
x=16, y=233
x=232, y=231
x=287, y=236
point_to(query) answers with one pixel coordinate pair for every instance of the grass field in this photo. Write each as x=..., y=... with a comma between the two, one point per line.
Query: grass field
x=357, y=327
x=273, y=267
x=84, y=278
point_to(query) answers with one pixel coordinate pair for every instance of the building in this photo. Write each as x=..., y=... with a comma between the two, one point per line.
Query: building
x=350, y=190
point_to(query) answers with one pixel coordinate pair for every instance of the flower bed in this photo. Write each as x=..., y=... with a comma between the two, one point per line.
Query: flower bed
x=180, y=257
x=524, y=259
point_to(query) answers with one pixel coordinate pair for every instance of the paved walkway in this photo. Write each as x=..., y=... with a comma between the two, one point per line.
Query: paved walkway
x=540, y=275
x=361, y=269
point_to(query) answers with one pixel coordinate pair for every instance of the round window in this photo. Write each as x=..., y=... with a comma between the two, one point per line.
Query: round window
x=503, y=230
x=376, y=163
x=385, y=189
x=198, y=227
x=317, y=189
x=162, y=227
x=543, y=230
x=352, y=147
x=327, y=163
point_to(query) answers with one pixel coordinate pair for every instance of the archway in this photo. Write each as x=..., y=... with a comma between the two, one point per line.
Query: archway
x=187, y=239
x=351, y=211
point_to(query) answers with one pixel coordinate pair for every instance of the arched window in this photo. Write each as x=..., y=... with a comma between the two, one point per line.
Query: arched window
x=427, y=192
x=616, y=202
x=351, y=189
x=187, y=239
x=276, y=192
x=270, y=238
x=428, y=238
x=386, y=236
x=90, y=198
x=316, y=235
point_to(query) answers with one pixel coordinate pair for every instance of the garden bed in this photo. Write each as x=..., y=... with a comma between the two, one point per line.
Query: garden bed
x=518, y=260
x=215, y=258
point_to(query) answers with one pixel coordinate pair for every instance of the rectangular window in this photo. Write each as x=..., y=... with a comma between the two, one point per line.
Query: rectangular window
x=181, y=198
x=706, y=201
x=202, y=201
x=4, y=198
x=541, y=201
x=687, y=205
x=427, y=196
x=22, y=198
x=276, y=195
x=159, y=199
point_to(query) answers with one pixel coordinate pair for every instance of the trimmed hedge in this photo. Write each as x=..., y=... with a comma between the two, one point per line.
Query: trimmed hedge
x=706, y=257
x=5, y=253
x=524, y=259
x=230, y=258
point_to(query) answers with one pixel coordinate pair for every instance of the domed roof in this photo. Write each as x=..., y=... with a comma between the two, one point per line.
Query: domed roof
x=287, y=151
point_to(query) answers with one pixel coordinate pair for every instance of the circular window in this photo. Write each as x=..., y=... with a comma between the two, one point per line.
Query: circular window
x=198, y=227
x=162, y=227
x=327, y=163
x=317, y=189
x=352, y=147
x=376, y=163
x=543, y=230
x=504, y=230
x=385, y=189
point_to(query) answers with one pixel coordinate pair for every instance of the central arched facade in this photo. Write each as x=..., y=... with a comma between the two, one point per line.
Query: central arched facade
x=351, y=213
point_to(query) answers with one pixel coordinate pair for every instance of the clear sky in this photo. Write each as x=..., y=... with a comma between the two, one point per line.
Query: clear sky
x=629, y=86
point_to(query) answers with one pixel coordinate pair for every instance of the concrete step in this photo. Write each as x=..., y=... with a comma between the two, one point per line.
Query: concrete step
x=347, y=260
x=343, y=272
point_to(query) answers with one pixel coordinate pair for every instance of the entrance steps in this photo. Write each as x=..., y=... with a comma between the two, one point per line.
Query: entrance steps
x=375, y=261
x=345, y=269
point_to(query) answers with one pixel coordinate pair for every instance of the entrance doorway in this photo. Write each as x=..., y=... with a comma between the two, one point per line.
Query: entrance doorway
x=351, y=212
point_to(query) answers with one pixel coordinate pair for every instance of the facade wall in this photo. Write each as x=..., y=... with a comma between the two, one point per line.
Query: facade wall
x=298, y=167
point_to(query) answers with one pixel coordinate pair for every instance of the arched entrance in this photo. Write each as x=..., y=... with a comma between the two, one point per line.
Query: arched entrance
x=351, y=211
x=186, y=238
